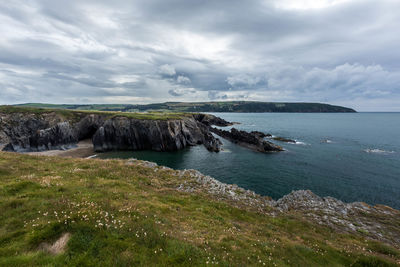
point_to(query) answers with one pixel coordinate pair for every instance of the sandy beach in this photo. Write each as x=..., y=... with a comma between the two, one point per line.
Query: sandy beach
x=84, y=149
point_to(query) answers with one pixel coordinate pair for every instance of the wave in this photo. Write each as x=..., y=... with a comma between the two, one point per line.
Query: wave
x=378, y=151
x=301, y=143
x=327, y=141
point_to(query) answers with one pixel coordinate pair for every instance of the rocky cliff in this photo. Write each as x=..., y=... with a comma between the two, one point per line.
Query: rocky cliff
x=122, y=133
x=25, y=132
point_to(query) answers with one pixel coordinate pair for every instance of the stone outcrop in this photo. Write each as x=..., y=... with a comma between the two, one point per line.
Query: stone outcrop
x=25, y=132
x=60, y=136
x=376, y=222
x=252, y=140
x=283, y=139
x=122, y=133
x=209, y=120
x=20, y=132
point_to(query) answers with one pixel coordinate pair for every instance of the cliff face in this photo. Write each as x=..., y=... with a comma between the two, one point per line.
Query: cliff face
x=25, y=131
x=38, y=132
x=21, y=132
x=121, y=133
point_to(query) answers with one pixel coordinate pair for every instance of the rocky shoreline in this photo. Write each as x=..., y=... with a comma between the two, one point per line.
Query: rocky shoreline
x=376, y=222
x=49, y=131
x=32, y=132
x=253, y=140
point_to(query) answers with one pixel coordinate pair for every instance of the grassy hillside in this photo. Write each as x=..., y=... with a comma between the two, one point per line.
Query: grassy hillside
x=122, y=213
x=76, y=114
x=227, y=106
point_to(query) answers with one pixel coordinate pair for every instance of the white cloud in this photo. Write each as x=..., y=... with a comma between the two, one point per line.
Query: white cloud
x=307, y=4
x=183, y=79
x=167, y=70
x=243, y=80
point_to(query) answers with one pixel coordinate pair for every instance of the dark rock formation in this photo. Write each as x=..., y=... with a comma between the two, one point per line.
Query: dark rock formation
x=260, y=134
x=20, y=131
x=209, y=120
x=60, y=136
x=25, y=132
x=253, y=140
x=282, y=139
x=86, y=127
x=121, y=133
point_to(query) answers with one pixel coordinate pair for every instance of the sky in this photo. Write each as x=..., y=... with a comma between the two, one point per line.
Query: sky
x=344, y=52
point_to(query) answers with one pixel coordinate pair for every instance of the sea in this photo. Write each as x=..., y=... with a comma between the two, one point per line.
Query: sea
x=349, y=156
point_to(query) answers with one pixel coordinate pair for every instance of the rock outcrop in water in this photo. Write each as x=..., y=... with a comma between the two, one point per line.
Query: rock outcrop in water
x=253, y=140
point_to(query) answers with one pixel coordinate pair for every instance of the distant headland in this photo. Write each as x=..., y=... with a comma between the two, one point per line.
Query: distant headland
x=223, y=106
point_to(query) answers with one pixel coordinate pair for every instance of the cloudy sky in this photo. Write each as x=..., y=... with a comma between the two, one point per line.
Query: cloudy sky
x=344, y=52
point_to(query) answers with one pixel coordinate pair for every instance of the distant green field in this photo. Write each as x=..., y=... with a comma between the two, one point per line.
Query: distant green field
x=78, y=113
x=228, y=106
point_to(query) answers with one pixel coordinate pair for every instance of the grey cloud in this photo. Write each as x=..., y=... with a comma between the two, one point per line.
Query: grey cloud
x=152, y=50
x=181, y=91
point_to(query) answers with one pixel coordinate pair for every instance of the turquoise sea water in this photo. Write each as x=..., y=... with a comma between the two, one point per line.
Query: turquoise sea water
x=350, y=156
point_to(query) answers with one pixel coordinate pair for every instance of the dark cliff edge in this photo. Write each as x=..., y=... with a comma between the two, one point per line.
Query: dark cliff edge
x=121, y=133
x=49, y=130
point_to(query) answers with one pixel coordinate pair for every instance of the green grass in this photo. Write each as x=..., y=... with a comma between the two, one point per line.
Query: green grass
x=78, y=114
x=121, y=214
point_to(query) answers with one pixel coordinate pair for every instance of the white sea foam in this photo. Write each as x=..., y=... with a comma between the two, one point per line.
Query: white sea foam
x=378, y=151
x=327, y=141
x=300, y=143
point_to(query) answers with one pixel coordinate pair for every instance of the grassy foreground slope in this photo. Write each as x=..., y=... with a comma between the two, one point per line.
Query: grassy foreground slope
x=123, y=213
x=216, y=106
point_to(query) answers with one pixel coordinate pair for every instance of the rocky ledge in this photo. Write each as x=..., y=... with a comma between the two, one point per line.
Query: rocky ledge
x=253, y=140
x=375, y=222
